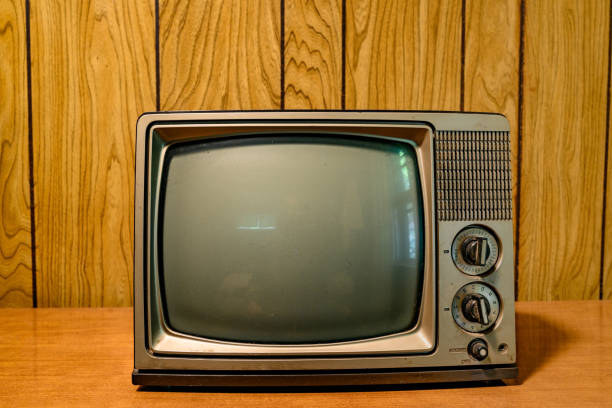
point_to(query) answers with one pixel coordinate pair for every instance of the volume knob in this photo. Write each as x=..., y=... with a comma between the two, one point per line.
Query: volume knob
x=478, y=349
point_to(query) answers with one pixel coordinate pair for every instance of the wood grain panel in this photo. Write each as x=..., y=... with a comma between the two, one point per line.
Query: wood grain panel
x=313, y=54
x=219, y=54
x=491, y=68
x=403, y=54
x=93, y=73
x=564, y=111
x=607, y=248
x=15, y=236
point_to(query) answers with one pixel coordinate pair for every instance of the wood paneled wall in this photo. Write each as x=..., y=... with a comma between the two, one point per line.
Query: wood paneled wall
x=219, y=54
x=403, y=54
x=93, y=73
x=75, y=75
x=565, y=81
x=15, y=234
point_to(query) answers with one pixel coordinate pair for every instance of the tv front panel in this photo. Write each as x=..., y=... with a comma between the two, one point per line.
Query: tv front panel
x=347, y=247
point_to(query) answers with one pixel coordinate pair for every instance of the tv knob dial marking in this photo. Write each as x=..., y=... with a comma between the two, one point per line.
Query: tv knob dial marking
x=475, y=250
x=475, y=307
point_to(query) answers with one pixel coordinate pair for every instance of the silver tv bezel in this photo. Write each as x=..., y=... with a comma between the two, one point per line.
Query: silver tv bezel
x=157, y=346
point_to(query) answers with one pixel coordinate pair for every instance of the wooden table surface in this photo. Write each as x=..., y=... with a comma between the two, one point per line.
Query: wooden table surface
x=83, y=357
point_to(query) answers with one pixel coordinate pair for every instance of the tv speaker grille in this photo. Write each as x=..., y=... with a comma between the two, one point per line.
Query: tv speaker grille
x=473, y=176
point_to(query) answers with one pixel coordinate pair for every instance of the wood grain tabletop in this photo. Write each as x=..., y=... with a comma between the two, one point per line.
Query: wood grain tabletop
x=83, y=357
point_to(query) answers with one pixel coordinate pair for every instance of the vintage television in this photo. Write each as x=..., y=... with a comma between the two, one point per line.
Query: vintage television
x=325, y=248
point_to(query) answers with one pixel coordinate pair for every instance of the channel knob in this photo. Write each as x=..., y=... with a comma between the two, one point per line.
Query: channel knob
x=475, y=250
x=478, y=349
x=476, y=307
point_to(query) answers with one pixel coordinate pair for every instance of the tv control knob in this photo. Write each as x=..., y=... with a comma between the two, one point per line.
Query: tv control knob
x=478, y=349
x=475, y=250
x=476, y=307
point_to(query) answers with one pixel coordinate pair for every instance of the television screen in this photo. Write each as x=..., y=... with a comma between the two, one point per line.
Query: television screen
x=289, y=239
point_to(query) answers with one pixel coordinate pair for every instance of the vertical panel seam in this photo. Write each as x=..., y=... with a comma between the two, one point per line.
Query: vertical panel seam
x=31, y=154
x=157, y=60
x=343, y=95
x=606, y=158
x=282, y=54
x=519, y=156
x=462, y=79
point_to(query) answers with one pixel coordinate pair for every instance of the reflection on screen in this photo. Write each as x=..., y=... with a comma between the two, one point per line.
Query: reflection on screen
x=294, y=239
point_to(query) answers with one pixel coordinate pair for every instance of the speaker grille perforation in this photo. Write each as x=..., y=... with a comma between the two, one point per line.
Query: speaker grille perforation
x=473, y=176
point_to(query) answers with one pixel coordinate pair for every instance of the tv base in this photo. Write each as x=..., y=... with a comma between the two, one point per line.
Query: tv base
x=319, y=378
